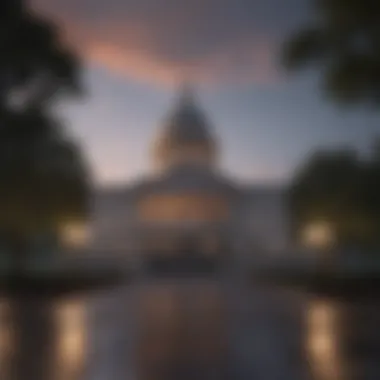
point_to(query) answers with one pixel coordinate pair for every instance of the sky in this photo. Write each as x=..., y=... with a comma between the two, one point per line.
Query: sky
x=135, y=53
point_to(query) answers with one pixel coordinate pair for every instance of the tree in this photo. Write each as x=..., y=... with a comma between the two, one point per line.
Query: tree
x=344, y=41
x=36, y=67
x=341, y=189
x=43, y=176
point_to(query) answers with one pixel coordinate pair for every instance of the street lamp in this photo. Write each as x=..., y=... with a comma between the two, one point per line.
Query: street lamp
x=75, y=234
x=318, y=235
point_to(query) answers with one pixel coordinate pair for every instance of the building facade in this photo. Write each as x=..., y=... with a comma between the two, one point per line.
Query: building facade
x=189, y=200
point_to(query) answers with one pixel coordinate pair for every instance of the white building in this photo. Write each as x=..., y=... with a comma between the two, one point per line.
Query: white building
x=189, y=200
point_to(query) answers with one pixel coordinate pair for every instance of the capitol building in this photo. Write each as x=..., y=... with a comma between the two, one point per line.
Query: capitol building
x=182, y=325
x=189, y=200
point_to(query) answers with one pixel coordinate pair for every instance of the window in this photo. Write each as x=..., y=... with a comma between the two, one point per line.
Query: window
x=196, y=208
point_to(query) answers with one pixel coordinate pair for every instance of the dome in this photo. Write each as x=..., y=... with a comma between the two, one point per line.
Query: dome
x=186, y=136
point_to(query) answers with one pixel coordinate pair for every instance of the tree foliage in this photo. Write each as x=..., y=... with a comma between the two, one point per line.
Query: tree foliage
x=343, y=40
x=43, y=176
x=36, y=66
x=343, y=190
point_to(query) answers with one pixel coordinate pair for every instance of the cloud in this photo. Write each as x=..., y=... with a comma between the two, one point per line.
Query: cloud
x=208, y=41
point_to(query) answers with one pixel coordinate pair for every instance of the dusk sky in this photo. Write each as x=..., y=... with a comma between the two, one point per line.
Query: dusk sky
x=136, y=52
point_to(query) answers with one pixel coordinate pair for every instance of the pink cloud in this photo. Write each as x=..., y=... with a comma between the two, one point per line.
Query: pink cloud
x=208, y=41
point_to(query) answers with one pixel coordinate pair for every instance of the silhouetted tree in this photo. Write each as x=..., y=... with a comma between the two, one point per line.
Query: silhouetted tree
x=43, y=177
x=340, y=188
x=343, y=40
x=36, y=67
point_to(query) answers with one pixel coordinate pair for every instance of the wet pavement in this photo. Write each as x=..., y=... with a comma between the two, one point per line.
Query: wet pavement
x=172, y=331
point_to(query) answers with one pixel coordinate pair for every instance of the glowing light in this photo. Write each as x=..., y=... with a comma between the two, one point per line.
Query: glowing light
x=75, y=234
x=6, y=341
x=71, y=347
x=318, y=235
x=183, y=208
x=322, y=341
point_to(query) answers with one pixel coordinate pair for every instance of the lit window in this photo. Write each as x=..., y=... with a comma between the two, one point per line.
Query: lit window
x=185, y=207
